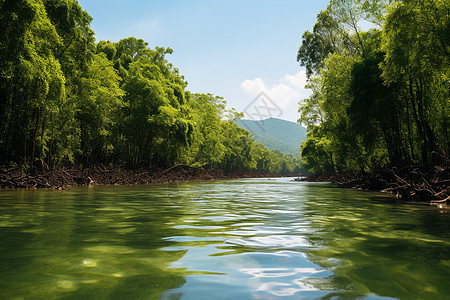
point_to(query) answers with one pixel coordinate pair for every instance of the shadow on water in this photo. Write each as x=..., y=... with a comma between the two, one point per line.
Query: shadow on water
x=100, y=243
x=242, y=239
x=375, y=245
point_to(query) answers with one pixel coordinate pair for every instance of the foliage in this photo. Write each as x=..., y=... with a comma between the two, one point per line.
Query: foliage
x=417, y=45
x=97, y=111
x=381, y=96
x=31, y=79
x=155, y=125
x=337, y=30
x=66, y=99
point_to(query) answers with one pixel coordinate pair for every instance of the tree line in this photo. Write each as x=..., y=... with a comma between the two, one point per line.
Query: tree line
x=380, y=97
x=66, y=99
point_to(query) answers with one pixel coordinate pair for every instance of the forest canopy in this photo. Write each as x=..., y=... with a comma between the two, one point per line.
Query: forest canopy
x=66, y=99
x=380, y=96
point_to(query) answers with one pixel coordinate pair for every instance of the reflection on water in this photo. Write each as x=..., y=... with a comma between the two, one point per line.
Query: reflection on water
x=237, y=239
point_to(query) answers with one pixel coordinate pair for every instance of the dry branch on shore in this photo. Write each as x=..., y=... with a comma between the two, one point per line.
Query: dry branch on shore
x=14, y=177
x=60, y=178
x=414, y=182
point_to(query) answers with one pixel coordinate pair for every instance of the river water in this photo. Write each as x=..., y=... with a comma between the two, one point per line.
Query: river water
x=234, y=239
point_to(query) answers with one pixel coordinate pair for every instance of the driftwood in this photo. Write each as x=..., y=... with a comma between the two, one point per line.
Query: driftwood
x=181, y=166
x=60, y=178
x=414, y=182
x=441, y=201
x=423, y=182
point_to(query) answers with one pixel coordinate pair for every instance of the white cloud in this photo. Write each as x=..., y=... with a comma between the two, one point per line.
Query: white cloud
x=288, y=91
x=254, y=87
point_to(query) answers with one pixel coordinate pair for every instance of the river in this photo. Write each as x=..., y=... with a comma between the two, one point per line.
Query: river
x=233, y=239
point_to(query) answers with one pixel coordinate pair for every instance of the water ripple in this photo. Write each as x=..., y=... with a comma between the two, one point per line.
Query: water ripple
x=236, y=239
x=279, y=272
x=273, y=241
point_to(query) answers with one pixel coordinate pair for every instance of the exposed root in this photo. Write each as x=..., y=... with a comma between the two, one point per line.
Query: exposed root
x=15, y=177
x=414, y=182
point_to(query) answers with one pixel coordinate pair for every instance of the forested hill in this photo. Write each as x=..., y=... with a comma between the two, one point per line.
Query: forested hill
x=276, y=134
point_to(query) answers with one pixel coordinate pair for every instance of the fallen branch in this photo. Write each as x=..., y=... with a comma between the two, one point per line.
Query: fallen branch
x=441, y=201
x=177, y=166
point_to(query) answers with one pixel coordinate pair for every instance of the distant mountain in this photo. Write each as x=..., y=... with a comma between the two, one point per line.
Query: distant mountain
x=277, y=134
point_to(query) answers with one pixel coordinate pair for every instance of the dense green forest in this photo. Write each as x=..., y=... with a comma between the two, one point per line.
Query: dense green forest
x=66, y=99
x=276, y=134
x=380, y=96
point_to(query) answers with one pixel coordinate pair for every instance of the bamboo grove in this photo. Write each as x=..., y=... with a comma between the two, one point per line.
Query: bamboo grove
x=381, y=97
x=66, y=99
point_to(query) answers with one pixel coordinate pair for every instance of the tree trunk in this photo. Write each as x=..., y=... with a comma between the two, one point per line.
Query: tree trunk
x=36, y=130
x=408, y=123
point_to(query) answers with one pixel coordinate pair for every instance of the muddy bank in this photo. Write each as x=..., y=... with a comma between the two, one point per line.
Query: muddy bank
x=61, y=178
x=415, y=182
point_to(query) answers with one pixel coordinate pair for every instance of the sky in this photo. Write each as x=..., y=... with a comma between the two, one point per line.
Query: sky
x=242, y=50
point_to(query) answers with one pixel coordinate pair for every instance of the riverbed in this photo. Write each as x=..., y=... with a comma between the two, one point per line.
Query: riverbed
x=233, y=239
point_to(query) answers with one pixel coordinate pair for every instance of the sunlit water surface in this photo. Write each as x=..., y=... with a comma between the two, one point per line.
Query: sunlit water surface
x=236, y=239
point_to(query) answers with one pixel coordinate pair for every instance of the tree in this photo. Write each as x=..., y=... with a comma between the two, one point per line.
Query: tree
x=156, y=124
x=31, y=79
x=77, y=46
x=98, y=109
x=417, y=44
x=317, y=153
x=376, y=109
x=337, y=30
x=206, y=148
x=383, y=97
x=336, y=45
x=319, y=44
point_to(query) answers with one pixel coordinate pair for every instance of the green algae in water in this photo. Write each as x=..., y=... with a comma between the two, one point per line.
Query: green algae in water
x=242, y=239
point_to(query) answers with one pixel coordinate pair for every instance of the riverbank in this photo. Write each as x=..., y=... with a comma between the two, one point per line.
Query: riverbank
x=414, y=182
x=62, y=178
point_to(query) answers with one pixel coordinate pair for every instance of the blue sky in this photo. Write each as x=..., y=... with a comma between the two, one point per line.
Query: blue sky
x=234, y=49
